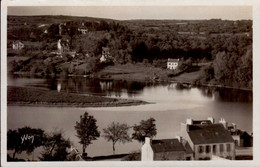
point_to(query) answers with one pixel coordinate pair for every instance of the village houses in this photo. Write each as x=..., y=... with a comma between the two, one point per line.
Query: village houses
x=172, y=64
x=198, y=140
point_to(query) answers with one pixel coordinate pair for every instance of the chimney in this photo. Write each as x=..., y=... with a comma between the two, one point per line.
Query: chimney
x=234, y=126
x=211, y=119
x=179, y=138
x=147, y=140
x=189, y=121
x=224, y=123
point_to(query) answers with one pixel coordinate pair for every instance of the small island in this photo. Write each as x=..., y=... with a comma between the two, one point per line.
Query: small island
x=40, y=97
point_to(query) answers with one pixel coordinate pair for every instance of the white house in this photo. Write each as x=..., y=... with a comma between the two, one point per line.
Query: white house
x=18, y=45
x=172, y=64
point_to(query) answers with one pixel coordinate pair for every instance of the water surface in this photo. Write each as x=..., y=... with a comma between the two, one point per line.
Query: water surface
x=172, y=104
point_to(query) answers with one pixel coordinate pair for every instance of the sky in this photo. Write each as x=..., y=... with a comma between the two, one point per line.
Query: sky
x=140, y=12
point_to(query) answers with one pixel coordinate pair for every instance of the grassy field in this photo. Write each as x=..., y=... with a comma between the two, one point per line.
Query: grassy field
x=140, y=72
x=37, y=97
x=189, y=76
x=136, y=72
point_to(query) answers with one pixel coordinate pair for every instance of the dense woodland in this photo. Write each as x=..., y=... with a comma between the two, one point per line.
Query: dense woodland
x=226, y=45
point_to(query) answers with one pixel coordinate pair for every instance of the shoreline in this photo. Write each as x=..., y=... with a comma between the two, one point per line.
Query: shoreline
x=112, y=77
x=44, y=104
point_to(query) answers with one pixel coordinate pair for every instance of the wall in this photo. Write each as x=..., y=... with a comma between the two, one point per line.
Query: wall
x=172, y=65
x=223, y=154
x=176, y=155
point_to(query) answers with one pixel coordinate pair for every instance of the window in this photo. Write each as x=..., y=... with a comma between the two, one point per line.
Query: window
x=200, y=149
x=228, y=147
x=221, y=147
x=214, y=149
x=207, y=149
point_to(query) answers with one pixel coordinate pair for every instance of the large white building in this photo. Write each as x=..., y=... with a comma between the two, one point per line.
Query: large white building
x=208, y=139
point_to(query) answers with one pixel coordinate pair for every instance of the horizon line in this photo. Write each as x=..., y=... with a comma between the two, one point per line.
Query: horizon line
x=130, y=19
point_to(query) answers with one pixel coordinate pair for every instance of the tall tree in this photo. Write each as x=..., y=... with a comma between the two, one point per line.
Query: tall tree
x=87, y=130
x=144, y=129
x=117, y=132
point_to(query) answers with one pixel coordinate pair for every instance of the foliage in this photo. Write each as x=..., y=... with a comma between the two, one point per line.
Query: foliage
x=144, y=129
x=117, y=132
x=55, y=147
x=15, y=142
x=87, y=130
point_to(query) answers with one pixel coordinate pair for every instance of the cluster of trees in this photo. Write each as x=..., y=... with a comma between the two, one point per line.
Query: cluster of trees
x=87, y=131
x=55, y=146
x=232, y=64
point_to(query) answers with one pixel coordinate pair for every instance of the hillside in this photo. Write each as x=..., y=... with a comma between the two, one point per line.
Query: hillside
x=226, y=44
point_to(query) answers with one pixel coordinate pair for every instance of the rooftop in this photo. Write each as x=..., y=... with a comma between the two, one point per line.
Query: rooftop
x=173, y=60
x=167, y=145
x=209, y=133
x=199, y=122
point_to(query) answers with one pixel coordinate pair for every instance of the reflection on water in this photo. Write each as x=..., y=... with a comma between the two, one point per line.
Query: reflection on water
x=119, y=88
x=227, y=94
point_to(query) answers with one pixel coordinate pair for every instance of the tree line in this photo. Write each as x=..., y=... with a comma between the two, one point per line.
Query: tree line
x=55, y=147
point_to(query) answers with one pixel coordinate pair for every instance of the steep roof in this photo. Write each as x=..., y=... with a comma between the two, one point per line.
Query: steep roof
x=196, y=122
x=209, y=133
x=166, y=145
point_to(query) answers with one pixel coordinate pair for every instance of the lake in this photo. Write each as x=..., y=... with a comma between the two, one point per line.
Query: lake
x=171, y=104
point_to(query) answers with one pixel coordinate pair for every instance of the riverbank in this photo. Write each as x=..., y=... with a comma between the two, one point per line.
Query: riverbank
x=142, y=73
x=37, y=97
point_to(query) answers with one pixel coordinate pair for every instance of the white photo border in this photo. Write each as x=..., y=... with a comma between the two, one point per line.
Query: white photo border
x=256, y=84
